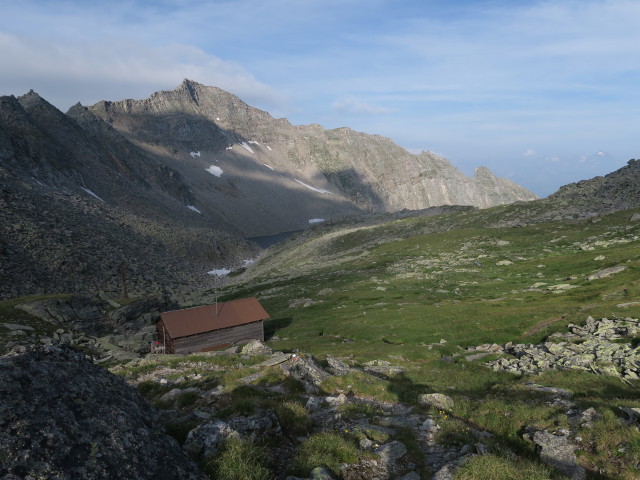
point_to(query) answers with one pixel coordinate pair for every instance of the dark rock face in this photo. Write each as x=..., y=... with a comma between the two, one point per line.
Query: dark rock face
x=64, y=417
x=617, y=190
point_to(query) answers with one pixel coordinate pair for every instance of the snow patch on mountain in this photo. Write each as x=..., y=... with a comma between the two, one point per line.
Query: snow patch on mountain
x=246, y=147
x=319, y=190
x=92, y=194
x=214, y=170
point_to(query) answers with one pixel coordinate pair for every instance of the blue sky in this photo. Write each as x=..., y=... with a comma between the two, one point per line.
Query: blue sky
x=542, y=92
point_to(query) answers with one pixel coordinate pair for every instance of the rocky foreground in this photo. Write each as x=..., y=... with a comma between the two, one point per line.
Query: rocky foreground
x=65, y=417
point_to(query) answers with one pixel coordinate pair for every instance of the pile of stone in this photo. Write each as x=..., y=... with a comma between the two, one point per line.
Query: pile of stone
x=594, y=347
x=98, y=325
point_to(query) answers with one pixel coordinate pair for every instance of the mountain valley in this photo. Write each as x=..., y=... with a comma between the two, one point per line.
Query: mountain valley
x=431, y=325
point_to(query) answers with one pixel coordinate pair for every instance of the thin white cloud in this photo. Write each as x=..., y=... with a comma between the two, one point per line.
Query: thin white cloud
x=118, y=65
x=353, y=106
x=529, y=152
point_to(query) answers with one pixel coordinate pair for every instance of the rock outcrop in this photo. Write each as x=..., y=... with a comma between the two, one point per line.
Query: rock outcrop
x=64, y=417
x=617, y=190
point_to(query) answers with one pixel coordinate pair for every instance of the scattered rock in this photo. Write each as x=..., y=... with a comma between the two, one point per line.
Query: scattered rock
x=337, y=367
x=607, y=272
x=321, y=473
x=558, y=452
x=205, y=440
x=590, y=347
x=391, y=452
x=436, y=400
x=307, y=371
x=382, y=367
x=256, y=347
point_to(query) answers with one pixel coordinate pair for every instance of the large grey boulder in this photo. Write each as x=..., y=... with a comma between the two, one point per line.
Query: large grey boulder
x=256, y=347
x=558, y=452
x=206, y=440
x=436, y=400
x=337, y=367
x=307, y=371
x=606, y=272
x=62, y=416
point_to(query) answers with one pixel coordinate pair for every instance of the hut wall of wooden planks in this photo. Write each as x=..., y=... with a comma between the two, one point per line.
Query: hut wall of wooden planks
x=208, y=327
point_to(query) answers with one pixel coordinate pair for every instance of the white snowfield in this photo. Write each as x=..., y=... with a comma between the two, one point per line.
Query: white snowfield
x=220, y=273
x=269, y=147
x=316, y=220
x=247, y=147
x=214, y=170
x=268, y=166
x=253, y=142
x=92, y=194
x=230, y=147
x=191, y=207
x=319, y=190
x=195, y=154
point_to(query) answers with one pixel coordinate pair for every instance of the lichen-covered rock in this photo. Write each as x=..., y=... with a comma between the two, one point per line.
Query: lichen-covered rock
x=382, y=367
x=436, y=400
x=606, y=272
x=206, y=439
x=558, y=452
x=337, y=367
x=61, y=416
x=307, y=371
x=256, y=347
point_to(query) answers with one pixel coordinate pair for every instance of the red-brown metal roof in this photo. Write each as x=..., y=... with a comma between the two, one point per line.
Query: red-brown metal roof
x=191, y=321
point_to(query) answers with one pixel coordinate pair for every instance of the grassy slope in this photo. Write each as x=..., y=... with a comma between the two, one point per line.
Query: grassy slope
x=388, y=291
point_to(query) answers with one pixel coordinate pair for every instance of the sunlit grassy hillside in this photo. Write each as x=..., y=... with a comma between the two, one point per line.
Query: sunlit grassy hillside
x=392, y=287
x=417, y=291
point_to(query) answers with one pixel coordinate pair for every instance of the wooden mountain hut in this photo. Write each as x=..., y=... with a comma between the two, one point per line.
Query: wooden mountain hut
x=210, y=327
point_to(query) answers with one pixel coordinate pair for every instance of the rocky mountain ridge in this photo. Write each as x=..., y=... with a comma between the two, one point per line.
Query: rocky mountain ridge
x=369, y=171
x=168, y=188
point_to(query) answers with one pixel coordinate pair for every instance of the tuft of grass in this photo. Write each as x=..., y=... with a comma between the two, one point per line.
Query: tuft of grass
x=293, y=417
x=362, y=384
x=327, y=449
x=240, y=459
x=493, y=467
x=152, y=390
x=610, y=448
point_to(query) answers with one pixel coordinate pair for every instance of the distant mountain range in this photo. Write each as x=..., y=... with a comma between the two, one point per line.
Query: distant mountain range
x=182, y=178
